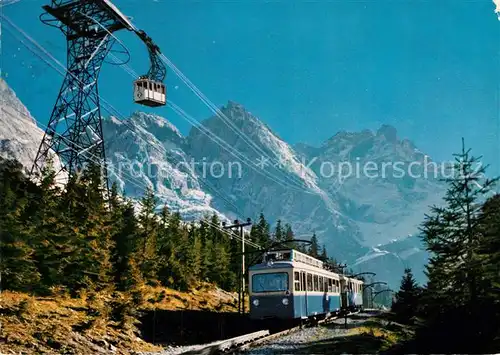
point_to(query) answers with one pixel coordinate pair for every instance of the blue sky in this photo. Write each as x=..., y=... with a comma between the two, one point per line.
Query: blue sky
x=306, y=68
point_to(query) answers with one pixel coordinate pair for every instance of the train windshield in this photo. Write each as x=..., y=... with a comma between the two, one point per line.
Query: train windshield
x=270, y=282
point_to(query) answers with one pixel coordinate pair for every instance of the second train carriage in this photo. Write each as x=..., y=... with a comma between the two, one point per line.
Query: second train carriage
x=289, y=284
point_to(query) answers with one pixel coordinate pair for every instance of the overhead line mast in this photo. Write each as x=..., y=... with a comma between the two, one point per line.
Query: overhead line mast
x=74, y=131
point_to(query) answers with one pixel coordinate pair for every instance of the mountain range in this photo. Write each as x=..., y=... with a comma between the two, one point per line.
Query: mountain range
x=362, y=193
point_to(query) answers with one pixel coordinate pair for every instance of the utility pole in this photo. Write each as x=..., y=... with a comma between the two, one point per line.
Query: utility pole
x=241, y=291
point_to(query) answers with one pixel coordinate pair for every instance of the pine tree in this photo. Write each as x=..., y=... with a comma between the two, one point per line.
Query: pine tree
x=92, y=266
x=279, y=233
x=221, y=273
x=17, y=265
x=261, y=232
x=207, y=260
x=407, y=298
x=50, y=228
x=490, y=248
x=313, y=247
x=289, y=236
x=324, y=255
x=489, y=253
x=194, y=257
x=451, y=301
x=149, y=236
x=125, y=236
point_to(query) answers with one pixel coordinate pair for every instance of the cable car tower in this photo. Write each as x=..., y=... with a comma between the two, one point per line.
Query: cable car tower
x=88, y=26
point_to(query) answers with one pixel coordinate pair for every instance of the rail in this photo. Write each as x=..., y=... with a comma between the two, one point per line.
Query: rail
x=243, y=342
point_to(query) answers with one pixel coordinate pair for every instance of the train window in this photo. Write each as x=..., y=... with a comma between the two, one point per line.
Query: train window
x=303, y=281
x=309, y=282
x=321, y=284
x=316, y=286
x=297, y=281
x=286, y=256
x=330, y=286
x=270, y=282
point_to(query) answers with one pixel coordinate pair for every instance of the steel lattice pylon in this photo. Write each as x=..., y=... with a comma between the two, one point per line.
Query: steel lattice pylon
x=74, y=131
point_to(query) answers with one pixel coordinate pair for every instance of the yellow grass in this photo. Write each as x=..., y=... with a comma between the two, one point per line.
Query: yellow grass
x=64, y=325
x=389, y=336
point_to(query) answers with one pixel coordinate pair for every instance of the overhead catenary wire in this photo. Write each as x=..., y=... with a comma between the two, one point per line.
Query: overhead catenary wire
x=233, y=235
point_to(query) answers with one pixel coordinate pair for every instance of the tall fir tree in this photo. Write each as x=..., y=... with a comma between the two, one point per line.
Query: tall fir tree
x=17, y=266
x=261, y=232
x=194, y=254
x=51, y=228
x=324, y=254
x=407, y=298
x=289, y=236
x=126, y=238
x=148, y=220
x=279, y=233
x=314, y=247
x=452, y=235
x=91, y=267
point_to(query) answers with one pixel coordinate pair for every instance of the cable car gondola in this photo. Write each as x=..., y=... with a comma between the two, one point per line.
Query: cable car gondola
x=149, y=92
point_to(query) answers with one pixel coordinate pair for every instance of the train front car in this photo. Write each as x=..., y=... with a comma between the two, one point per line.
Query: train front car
x=270, y=288
x=292, y=285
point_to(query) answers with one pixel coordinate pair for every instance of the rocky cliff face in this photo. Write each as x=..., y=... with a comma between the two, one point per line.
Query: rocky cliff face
x=147, y=151
x=362, y=193
x=383, y=183
x=273, y=180
x=20, y=136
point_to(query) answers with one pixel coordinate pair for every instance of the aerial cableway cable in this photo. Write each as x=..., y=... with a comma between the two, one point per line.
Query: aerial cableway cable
x=203, y=129
x=97, y=160
x=227, y=121
x=215, y=109
x=157, y=73
x=254, y=245
x=110, y=109
x=184, y=115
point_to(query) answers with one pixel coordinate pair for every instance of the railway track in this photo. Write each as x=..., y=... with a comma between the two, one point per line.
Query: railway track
x=244, y=342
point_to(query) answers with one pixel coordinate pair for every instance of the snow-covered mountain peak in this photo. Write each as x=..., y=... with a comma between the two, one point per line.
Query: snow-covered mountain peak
x=247, y=136
x=152, y=121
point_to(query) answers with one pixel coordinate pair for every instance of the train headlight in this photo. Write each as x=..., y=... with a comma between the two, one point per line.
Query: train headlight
x=255, y=302
x=285, y=301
